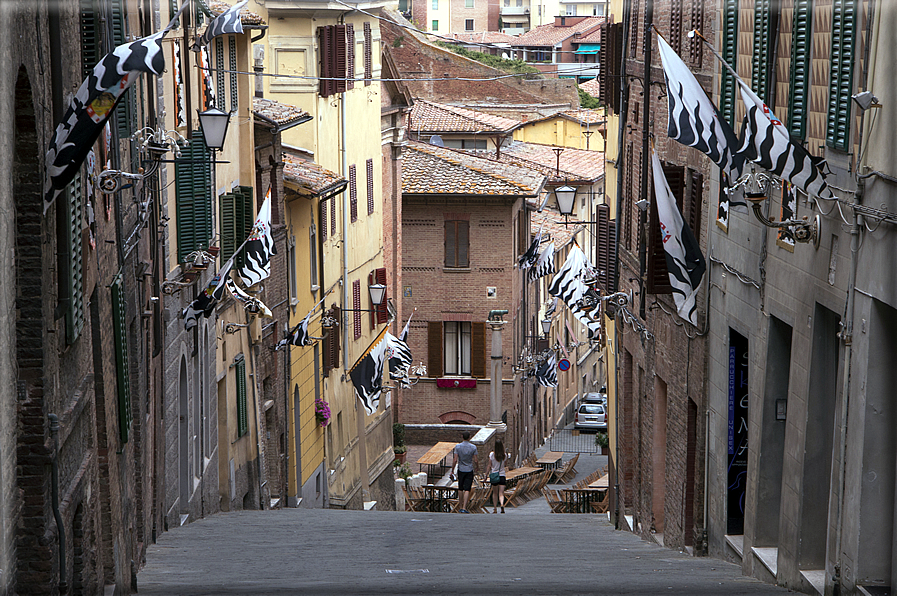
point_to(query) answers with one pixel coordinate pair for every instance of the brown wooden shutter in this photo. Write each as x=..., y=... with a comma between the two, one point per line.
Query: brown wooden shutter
x=696, y=47
x=353, y=195
x=604, y=60
x=326, y=55
x=350, y=56
x=324, y=219
x=694, y=203
x=333, y=215
x=435, y=364
x=658, y=277
x=451, y=241
x=369, y=173
x=331, y=341
x=676, y=25
x=463, y=244
x=478, y=356
x=379, y=314
x=339, y=58
x=356, y=305
x=368, y=58
x=604, y=249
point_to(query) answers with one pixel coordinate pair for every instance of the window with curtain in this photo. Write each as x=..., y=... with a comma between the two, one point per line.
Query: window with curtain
x=456, y=348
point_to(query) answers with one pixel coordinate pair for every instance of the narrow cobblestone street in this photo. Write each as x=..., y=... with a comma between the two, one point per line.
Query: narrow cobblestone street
x=292, y=551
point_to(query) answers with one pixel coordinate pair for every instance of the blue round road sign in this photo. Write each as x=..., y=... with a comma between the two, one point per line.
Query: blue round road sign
x=564, y=364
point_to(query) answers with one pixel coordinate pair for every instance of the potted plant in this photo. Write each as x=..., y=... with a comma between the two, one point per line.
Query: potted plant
x=398, y=442
x=322, y=412
x=402, y=470
x=602, y=441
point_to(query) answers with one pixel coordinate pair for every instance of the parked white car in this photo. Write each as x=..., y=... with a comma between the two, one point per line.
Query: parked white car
x=590, y=416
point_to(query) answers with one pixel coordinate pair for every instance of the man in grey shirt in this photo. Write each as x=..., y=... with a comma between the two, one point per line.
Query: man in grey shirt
x=468, y=464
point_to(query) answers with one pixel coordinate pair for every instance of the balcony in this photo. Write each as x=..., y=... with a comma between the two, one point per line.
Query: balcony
x=513, y=11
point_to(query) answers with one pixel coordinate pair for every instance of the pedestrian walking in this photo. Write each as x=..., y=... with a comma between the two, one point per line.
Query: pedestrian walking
x=497, y=476
x=465, y=457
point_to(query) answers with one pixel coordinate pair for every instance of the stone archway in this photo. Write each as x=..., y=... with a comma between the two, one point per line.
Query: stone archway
x=457, y=417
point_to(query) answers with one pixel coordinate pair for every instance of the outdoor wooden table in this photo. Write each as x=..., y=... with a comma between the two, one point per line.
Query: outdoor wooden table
x=550, y=460
x=600, y=483
x=579, y=500
x=517, y=473
x=437, y=497
x=435, y=456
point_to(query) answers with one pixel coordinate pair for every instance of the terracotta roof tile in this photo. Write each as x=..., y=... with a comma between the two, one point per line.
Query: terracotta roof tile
x=484, y=37
x=584, y=116
x=278, y=114
x=593, y=37
x=247, y=17
x=575, y=164
x=431, y=117
x=551, y=35
x=427, y=169
x=592, y=87
x=552, y=223
x=308, y=178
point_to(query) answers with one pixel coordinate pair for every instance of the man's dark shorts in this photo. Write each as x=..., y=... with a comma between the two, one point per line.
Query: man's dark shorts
x=465, y=480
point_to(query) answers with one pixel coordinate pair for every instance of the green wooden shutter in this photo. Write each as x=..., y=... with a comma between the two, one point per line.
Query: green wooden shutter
x=192, y=172
x=799, y=88
x=242, y=414
x=75, y=315
x=90, y=36
x=844, y=16
x=122, y=368
x=730, y=52
x=227, y=206
x=764, y=31
x=125, y=111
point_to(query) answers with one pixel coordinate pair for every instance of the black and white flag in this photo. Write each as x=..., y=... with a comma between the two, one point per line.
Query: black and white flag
x=94, y=103
x=553, y=306
x=225, y=23
x=568, y=285
x=545, y=265
x=767, y=142
x=546, y=373
x=693, y=119
x=367, y=374
x=258, y=248
x=685, y=263
x=250, y=303
x=531, y=256
x=299, y=336
x=399, y=355
x=204, y=304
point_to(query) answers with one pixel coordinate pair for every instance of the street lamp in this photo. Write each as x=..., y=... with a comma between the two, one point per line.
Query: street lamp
x=377, y=293
x=566, y=198
x=213, y=124
x=546, y=326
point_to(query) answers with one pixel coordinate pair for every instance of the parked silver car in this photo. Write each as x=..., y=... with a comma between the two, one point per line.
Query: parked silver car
x=591, y=416
x=595, y=398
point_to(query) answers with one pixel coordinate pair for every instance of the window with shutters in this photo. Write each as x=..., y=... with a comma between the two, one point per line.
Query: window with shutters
x=844, y=17
x=237, y=218
x=192, y=174
x=687, y=187
x=333, y=216
x=350, y=56
x=291, y=268
x=456, y=348
x=676, y=25
x=766, y=26
x=369, y=178
x=799, y=87
x=610, y=57
x=695, y=47
x=605, y=260
x=434, y=4
x=368, y=54
x=91, y=52
x=356, y=306
x=234, y=87
x=468, y=24
x=71, y=261
x=628, y=200
x=353, y=195
x=331, y=342
x=434, y=25
x=324, y=219
x=634, y=33
x=457, y=244
x=332, y=53
x=242, y=410
x=730, y=51
x=379, y=313
x=220, y=75
x=468, y=3
x=313, y=257
x=122, y=368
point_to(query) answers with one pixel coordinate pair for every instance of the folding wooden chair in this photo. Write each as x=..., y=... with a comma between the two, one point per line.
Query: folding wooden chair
x=413, y=500
x=602, y=505
x=551, y=496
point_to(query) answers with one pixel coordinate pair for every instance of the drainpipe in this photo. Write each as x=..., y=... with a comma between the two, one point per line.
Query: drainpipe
x=646, y=158
x=54, y=487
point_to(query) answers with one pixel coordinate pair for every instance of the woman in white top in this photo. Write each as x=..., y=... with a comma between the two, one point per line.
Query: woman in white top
x=497, y=475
